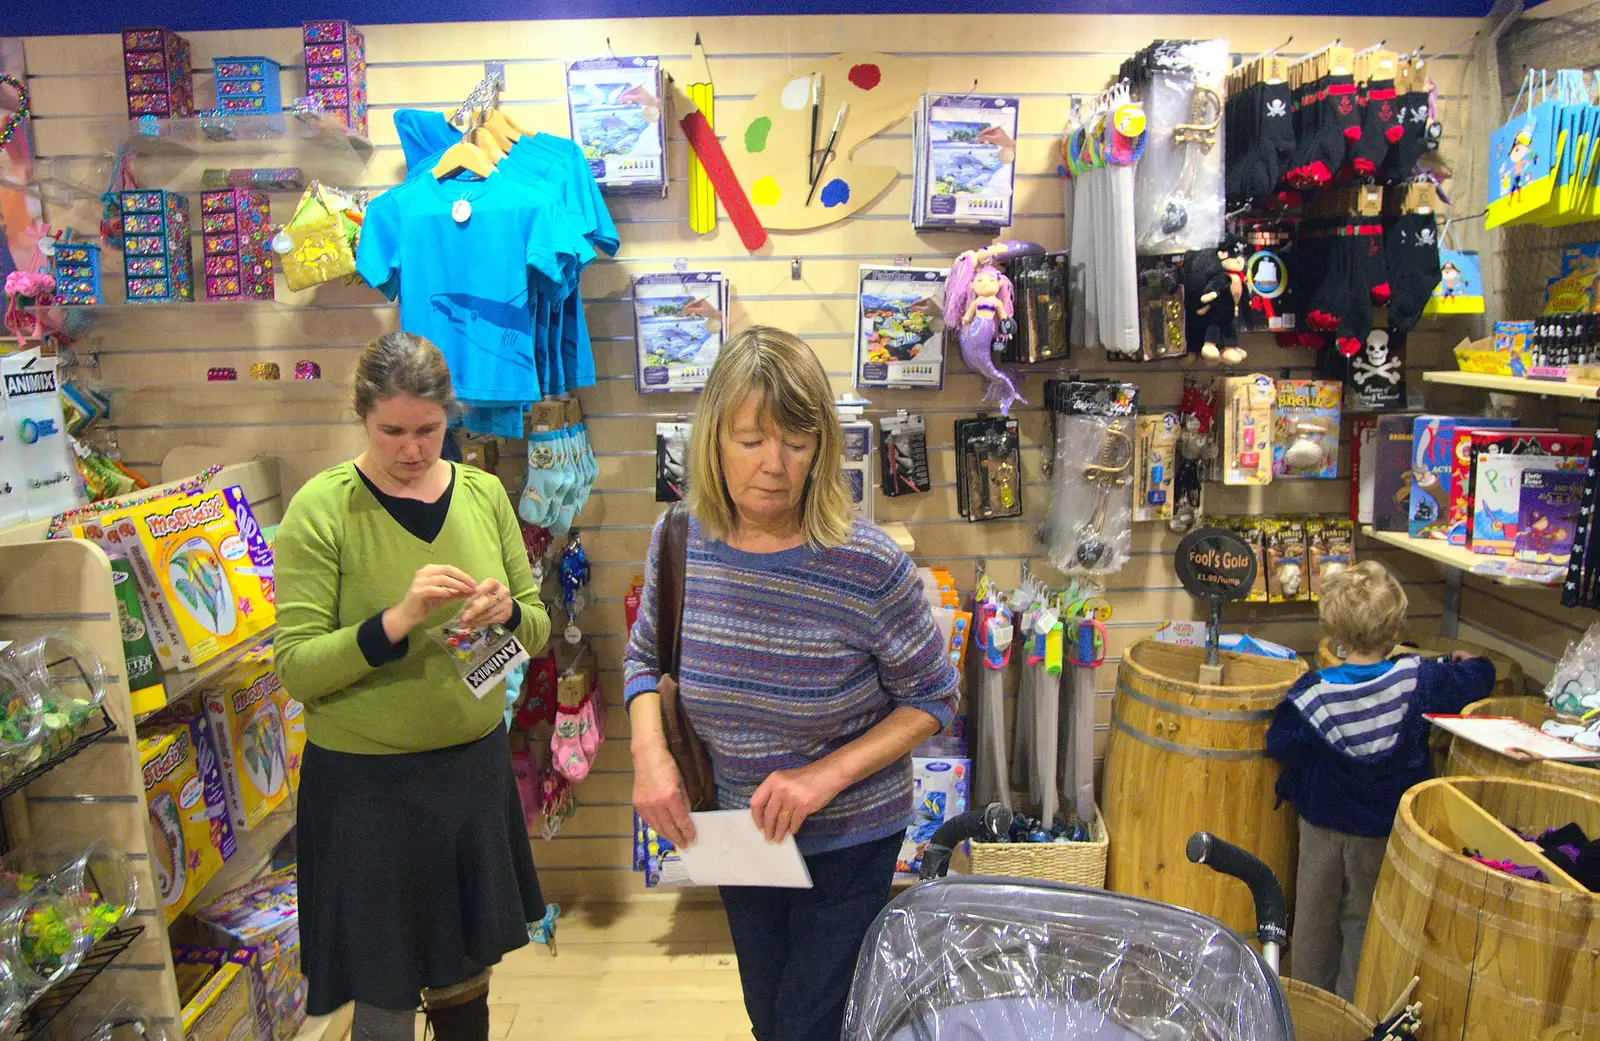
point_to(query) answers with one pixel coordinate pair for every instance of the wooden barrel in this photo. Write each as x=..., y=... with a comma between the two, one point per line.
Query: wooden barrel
x=1507, y=677
x=1470, y=760
x=1186, y=757
x=1320, y=1016
x=1498, y=956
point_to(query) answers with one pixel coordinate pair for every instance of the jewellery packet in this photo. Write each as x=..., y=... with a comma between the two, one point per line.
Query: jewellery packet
x=483, y=655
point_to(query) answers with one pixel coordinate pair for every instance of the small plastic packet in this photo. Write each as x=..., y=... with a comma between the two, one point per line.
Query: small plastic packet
x=484, y=655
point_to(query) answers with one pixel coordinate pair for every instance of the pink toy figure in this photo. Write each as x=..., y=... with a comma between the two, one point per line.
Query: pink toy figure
x=978, y=298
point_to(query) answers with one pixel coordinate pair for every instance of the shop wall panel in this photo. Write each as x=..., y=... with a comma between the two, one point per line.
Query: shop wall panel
x=1046, y=59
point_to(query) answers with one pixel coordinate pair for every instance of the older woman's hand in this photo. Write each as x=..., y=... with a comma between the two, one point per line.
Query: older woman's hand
x=787, y=797
x=659, y=798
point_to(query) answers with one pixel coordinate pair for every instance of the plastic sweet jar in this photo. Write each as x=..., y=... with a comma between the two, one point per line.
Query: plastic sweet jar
x=124, y=1020
x=42, y=938
x=12, y=1002
x=70, y=679
x=22, y=715
x=97, y=882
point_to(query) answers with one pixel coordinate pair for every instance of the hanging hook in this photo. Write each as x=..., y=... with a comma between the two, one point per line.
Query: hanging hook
x=972, y=91
x=609, y=52
x=1270, y=51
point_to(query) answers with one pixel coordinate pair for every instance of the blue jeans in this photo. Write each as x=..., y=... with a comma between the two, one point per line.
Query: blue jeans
x=797, y=948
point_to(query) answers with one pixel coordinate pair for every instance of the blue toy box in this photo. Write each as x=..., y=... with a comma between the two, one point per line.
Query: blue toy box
x=247, y=85
x=77, y=273
x=157, y=257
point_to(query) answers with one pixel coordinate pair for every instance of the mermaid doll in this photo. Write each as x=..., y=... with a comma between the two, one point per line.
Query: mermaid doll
x=978, y=303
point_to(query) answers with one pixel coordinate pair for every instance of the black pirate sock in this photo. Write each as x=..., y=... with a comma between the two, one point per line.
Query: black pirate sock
x=1373, y=265
x=1379, y=130
x=1334, y=298
x=1237, y=136
x=1277, y=132
x=1307, y=120
x=1411, y=113
x=1411, y=247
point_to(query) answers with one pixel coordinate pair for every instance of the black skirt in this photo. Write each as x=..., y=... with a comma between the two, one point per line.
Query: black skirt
x=415, y=871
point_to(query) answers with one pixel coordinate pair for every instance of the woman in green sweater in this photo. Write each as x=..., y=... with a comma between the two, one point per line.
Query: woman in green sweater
x=415, y=872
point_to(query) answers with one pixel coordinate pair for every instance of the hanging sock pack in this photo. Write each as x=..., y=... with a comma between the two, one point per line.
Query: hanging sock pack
x=1380, y=129
x=1411, y=245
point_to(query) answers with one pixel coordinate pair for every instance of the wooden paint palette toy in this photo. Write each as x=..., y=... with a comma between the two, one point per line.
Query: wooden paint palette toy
x=769, y=149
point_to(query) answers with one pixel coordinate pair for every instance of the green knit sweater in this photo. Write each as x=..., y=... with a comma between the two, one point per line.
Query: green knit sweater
x=339, y=559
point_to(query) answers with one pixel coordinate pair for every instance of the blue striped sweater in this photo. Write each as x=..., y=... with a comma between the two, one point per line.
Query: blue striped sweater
x=1352, y=738
x=789, y=656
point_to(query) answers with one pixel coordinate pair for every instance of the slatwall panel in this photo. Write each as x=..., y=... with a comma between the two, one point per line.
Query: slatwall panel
x=1045, y=59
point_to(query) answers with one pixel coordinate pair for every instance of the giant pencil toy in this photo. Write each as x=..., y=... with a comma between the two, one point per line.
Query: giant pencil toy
x=714, y=163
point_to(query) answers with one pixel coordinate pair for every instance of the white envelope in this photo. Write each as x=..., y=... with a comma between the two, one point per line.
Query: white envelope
x=729, y=850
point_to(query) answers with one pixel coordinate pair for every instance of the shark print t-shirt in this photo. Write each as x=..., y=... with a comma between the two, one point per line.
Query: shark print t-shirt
x=469, y=286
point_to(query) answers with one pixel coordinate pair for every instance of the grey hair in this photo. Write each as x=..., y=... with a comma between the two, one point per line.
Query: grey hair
x=402, y=363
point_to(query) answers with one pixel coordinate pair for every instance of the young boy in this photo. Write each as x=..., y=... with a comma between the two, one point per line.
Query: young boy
x=1352, y=739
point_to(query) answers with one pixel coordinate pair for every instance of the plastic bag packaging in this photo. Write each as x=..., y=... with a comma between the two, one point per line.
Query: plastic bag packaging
x=1180, y=179
x=1091, y=491
x=1574, y=688
x=1006, y=961
x=484, y=656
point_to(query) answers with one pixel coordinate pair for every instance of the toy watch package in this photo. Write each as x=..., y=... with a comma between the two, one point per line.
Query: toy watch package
x=1157, y=443
x=244, y=709
x=1092, y=458
x=190, y=837
x=1247, y=404
x=988, y=468
x=1306, y=441
x=856, y=460
x=679, y=327
x=616, y=109
x=1496, y=487
x=965, y=149
x=900, y=328
x=672, y=461
x=1547, y=515
x=903, y=448
x=1391, y=472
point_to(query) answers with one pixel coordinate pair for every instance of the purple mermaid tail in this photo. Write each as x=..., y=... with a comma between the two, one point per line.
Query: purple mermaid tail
x=977, y=350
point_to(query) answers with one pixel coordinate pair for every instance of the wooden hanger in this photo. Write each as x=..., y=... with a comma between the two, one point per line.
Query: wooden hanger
x=504, y=127
x=486, y=139
x=463, y=155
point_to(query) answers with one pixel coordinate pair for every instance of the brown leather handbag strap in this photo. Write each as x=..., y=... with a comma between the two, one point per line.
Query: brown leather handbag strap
x=671, y=564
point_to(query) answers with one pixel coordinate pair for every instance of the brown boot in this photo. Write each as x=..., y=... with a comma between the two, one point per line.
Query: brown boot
x=463, y=1021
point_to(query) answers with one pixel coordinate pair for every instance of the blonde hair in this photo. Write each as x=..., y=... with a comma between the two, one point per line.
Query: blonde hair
x=1363, y=608
x=795, y=394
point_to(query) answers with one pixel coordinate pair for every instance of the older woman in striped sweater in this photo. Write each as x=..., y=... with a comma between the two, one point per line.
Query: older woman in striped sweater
x=810, y=668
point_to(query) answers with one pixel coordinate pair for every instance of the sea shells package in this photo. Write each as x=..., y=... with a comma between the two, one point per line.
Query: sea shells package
x=245, y=710
x=189, y=833
x=679, y=327
x=202, y=566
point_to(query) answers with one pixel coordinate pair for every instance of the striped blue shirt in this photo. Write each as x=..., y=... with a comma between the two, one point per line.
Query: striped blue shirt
x=789, y=656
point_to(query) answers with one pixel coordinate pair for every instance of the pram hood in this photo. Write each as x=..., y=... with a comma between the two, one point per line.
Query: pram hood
x=1007, y=960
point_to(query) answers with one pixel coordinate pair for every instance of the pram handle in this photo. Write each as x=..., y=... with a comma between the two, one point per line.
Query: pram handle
x=987, y=825
x=1272, y=913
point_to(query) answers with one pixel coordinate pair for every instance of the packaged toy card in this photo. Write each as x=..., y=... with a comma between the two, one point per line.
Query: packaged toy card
x=900, y=328
x=1306, y=441
x=856, y=461
x=965, y=167
x=656, y=857
x=1250, y=530
x=1499, y=461
x=672, y=461
x=1363, y=467
x=903, y=446
x=679, y=327
x=1157, y=442
x=202, y=563
x=939, y=791
x=190, y=837
x=483, y=656
x=244, y=708
x=1433, y=450
x=1547, y=515
x=1330, y=549
x=1247, y=440
x=616, y=110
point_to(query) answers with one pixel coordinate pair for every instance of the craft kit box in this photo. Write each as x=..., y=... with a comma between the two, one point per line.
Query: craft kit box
x=1391, y=472
x=1548, y=515
x=190, y=837
x=1471, y=443
x=236, y=230
x=156, y=256
x=940, y=789
x=1433, y=443
x=265, y=915
x=336, y=70
x=244, y=707
x=158, y=69
x=1305, y=443
x=1494, y=525
x=223, y=1010
x=202, y=566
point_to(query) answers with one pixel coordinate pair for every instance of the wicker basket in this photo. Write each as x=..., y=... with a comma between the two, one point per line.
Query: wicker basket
x=1076, y=863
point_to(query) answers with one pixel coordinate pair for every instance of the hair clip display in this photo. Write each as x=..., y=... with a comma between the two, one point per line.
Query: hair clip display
x=221, y=374
x=307, y=370
x=265, y=370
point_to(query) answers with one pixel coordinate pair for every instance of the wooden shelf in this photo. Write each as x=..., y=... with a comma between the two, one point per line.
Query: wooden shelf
x=252, y=856
x=901, y=535
x=181, y=684
x=1514, y=384
x=1450, y=556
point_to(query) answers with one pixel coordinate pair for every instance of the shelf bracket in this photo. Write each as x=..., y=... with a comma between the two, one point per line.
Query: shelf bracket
x=1450, y=620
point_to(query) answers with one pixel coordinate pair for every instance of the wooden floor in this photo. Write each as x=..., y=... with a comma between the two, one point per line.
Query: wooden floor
x=655, y=967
